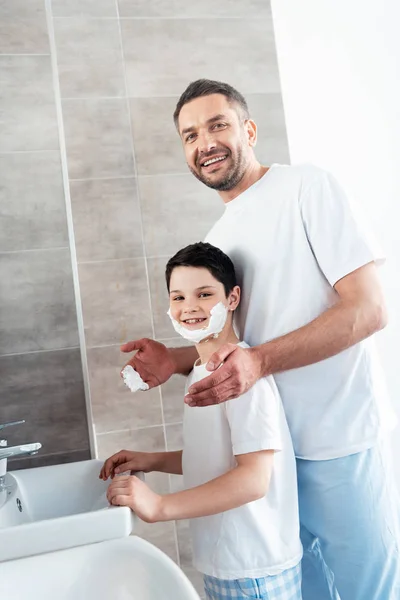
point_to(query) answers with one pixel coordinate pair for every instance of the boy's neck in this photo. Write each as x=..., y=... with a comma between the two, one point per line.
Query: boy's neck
x=208, y=347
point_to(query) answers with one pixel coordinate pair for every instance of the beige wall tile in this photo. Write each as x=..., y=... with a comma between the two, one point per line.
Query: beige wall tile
x=242, y=50
x=107, y=221
x=98, y=138
x=89, y=57
x=114, y=406
x=267, y=112
x=23, y=27
x=174, y=435
x=27, y=104
x=186, y=208
x=148, y=439
x=114, y=301
x=161, y=535
x=183, y=8
x=88, y=8
x=158, y=149
x=32, y=203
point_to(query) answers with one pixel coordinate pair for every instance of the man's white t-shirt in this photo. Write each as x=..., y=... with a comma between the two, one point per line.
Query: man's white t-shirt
x=259, y=538
x=291, y=236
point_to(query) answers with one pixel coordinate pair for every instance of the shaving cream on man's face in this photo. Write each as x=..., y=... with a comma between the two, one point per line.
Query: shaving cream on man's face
x=218, y=316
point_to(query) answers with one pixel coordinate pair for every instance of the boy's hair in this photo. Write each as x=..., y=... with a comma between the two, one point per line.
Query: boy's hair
x=206, y=87
x=207, y=256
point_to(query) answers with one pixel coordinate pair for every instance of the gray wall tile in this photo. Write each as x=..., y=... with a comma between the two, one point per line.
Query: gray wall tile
x=45, y=460
x=114, y=406
x=89, y=57
x=107, y=221
x=98, y=138
x=234, y=45
x=186, y=208
x=45, y=389
x=158, y=148
x=88, y=8
x=23, y=27
x=37, y=303
x=32, y=204
x=183, y=8
x=27, y=107
x=115, y=301
x=267, y=112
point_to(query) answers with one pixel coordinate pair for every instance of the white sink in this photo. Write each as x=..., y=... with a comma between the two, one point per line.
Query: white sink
x=124, y=569
x=57, y=507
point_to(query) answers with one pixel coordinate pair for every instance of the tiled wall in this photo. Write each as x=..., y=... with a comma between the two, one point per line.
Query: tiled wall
x=121, y=67
x=40, y=361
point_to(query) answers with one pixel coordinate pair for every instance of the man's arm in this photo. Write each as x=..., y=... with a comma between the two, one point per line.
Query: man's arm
x=156, y=363
x=359, y=312
x=247, y=482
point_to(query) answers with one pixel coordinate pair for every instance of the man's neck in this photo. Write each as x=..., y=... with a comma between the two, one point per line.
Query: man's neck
x=207, y=348
x=253, y=173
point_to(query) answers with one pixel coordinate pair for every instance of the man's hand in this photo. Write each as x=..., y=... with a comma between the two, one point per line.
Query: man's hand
x=152, y=361
x=241, y=368
x=127, y=461
x=131, y=491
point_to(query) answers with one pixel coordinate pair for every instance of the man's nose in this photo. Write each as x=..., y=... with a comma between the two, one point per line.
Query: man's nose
x=206, y=142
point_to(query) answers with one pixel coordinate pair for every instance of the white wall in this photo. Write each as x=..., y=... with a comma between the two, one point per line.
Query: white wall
x=339, y=64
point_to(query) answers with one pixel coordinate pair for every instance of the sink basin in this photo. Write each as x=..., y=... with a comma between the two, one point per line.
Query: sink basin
x=57, y=507
x=124, y=569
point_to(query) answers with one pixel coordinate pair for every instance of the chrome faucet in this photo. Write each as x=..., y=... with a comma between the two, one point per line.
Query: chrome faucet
x=9, y=451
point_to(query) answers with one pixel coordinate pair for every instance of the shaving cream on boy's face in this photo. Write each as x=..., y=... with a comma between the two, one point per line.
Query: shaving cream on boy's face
x=218, y=316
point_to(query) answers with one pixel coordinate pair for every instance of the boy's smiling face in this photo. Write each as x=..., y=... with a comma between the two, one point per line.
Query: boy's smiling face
x=194, y=291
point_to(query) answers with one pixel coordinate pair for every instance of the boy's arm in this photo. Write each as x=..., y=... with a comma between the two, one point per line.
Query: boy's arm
x=126, y=460
x=246, y=482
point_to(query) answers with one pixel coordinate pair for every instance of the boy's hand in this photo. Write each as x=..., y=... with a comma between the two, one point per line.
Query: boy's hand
x=127, y=461
x=130, y=491
x=152, y=361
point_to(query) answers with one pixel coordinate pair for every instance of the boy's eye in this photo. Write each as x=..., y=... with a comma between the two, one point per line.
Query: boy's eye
x=177, y=298
x=205, y=294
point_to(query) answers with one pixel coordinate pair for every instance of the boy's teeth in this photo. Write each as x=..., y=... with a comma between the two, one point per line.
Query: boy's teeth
x=213, y=160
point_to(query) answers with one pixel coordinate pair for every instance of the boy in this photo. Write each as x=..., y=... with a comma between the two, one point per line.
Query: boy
x=238, y=461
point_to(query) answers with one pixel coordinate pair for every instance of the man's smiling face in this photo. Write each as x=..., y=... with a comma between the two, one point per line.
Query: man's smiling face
x=215, y=141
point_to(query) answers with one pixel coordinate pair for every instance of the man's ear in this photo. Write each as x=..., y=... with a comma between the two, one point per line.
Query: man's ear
x=251, y=132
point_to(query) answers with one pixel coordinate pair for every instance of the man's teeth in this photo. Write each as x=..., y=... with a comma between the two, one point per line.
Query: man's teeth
x=213, y=160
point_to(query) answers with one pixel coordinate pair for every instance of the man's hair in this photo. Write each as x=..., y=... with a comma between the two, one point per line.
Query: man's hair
x=203, y=255
x=206, y=87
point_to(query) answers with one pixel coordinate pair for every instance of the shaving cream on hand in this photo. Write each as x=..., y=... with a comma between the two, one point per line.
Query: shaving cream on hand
x=218, y=316
x=133, y=380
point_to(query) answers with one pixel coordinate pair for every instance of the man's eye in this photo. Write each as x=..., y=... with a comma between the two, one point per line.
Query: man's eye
x=219, y=125
x=190, y=137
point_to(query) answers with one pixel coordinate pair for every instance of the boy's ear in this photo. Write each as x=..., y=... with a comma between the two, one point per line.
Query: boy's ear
x=234, y=298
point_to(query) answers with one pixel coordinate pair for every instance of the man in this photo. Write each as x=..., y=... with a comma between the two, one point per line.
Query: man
x=311, y=301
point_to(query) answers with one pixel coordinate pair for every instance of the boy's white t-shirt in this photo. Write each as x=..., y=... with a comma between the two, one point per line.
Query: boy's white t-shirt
x=259, y=538
x=292, y=236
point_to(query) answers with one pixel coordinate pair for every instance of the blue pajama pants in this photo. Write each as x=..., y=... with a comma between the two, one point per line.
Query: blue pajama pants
x=350, y=527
